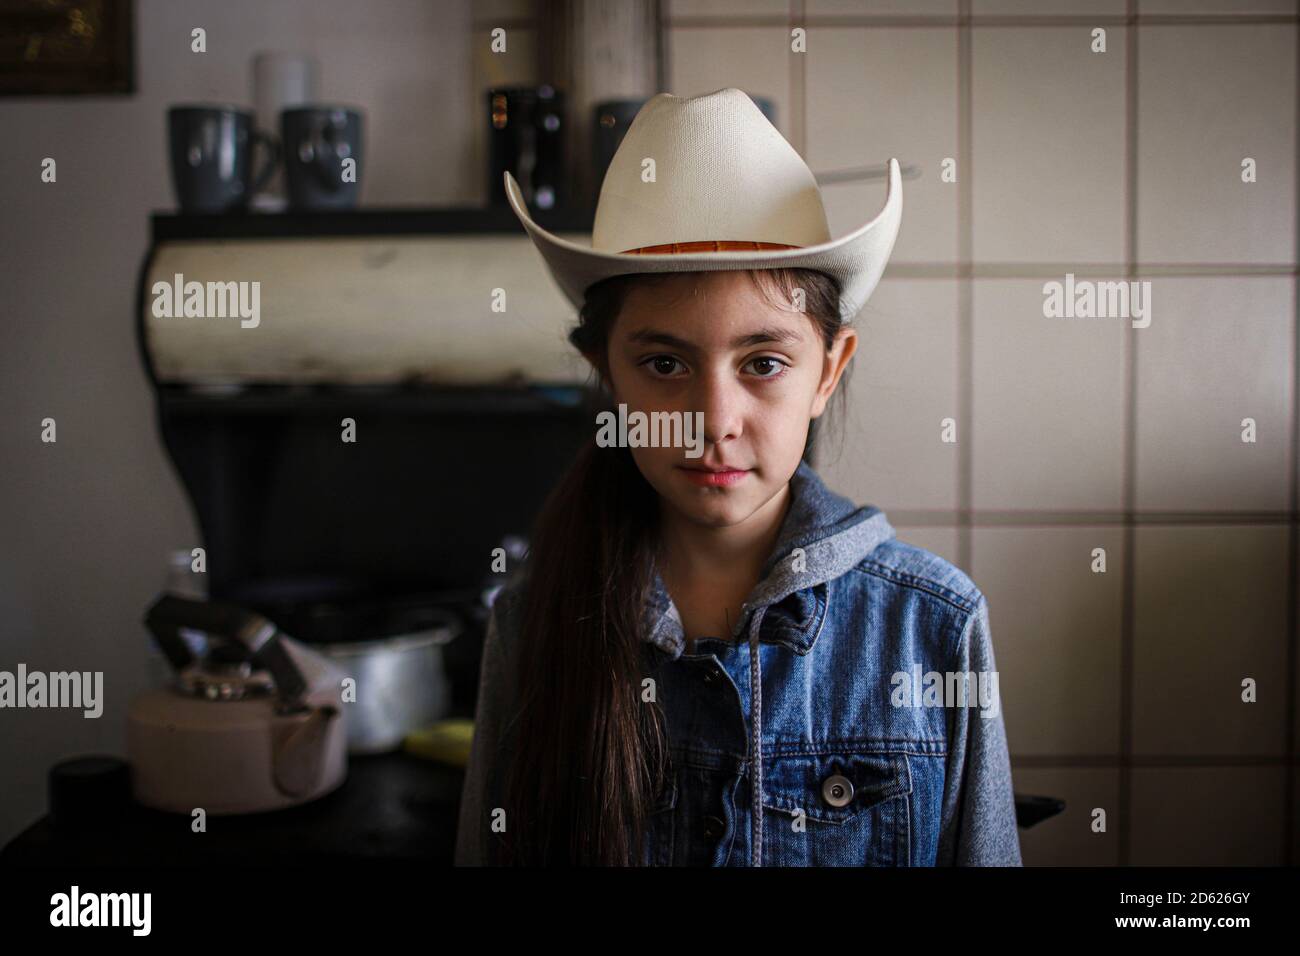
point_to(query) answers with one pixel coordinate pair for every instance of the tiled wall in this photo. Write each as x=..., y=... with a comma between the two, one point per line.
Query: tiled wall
x=1122, y=689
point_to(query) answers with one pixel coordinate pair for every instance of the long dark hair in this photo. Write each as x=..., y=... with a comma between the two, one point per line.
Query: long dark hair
x=590, y=755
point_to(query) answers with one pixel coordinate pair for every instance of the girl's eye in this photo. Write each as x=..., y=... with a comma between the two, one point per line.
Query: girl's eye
x=766, y=366
x=663, y=365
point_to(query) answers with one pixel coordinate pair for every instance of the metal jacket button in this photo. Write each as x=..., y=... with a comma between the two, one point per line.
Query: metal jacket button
x=837, y=790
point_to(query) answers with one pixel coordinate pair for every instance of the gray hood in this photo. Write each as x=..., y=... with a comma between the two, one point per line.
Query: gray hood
x=823, y=536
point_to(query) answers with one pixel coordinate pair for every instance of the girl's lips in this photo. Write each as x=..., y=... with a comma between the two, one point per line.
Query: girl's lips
x=714, y=479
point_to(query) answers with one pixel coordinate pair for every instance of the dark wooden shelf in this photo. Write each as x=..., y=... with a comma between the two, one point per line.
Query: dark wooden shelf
x=326, y=399
x=379, y=221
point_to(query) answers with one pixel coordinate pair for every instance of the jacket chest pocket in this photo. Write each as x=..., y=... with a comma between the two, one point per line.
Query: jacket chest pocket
x=837, y=809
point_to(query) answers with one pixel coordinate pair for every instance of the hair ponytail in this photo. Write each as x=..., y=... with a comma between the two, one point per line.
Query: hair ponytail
x=588, y=761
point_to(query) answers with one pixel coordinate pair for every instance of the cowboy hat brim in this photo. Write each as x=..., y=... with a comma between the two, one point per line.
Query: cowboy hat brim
x=855, y=260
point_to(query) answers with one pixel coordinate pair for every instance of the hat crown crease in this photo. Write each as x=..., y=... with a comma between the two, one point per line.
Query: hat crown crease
x=721, y=172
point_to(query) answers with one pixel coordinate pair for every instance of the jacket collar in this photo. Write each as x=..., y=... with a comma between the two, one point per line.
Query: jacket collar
x=833, y=536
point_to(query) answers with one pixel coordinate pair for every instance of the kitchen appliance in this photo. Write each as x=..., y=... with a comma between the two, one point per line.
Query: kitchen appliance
x=253, y=723
x=526, y=135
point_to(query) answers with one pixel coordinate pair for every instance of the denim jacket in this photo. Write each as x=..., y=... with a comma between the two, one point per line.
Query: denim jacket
x=835, y=706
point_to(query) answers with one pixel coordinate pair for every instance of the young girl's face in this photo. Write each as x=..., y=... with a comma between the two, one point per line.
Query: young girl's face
x=714, y=343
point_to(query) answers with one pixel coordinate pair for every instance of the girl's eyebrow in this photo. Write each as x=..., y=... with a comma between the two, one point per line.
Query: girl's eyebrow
x=782, y=336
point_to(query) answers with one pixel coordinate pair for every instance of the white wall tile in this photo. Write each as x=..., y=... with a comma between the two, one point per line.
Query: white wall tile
x=822, y=8
x=936, y=539
x=1048, y=409
x=1218, y=350
x=1209, y=611
x=738, y=9
x=1207, y=816
x=1216, y=6
x=1041, y=8
x=753, y=59
x=903, y=384
x=502, y=9
x=1208, y=96
x=850, y=204
x=1047, y=132
x=861, y=112
x=1068, y=839
x=1056, y=630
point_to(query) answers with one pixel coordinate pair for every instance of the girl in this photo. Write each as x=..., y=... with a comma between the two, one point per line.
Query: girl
x=715, y=660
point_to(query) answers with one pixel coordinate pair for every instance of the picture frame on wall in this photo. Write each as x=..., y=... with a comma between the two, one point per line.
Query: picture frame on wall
x=67, y=47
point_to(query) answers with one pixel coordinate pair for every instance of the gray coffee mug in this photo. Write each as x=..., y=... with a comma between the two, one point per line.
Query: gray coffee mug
x=322, y=156
x=212, y=157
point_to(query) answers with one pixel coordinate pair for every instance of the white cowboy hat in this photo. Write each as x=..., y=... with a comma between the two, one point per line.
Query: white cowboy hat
x=724, y=191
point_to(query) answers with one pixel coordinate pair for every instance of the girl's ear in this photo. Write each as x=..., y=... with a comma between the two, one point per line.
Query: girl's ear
x=837, y=360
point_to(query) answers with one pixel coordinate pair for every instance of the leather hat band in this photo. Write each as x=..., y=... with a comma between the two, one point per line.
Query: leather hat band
x=704, y=245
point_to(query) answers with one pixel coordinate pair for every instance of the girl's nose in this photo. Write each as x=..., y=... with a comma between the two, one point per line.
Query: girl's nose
x=721, y=399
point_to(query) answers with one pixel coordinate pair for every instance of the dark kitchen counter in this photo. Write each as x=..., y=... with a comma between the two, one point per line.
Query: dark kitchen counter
x=391, y=807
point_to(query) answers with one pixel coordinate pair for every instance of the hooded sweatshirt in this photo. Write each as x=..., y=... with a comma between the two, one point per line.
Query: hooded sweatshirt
x=855, y=705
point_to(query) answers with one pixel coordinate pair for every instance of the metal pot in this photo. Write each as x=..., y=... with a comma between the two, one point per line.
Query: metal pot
x=401, y=684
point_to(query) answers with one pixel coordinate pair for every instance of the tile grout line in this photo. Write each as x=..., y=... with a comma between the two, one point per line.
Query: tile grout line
x=1128, y=579
x=1293, y=532
x=798, y=84
x=1052, y=517
x=662, y=42
x=666, y=47
x=965, y=288
x=1041, y=761
x=934, y=21
x=918, y=269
